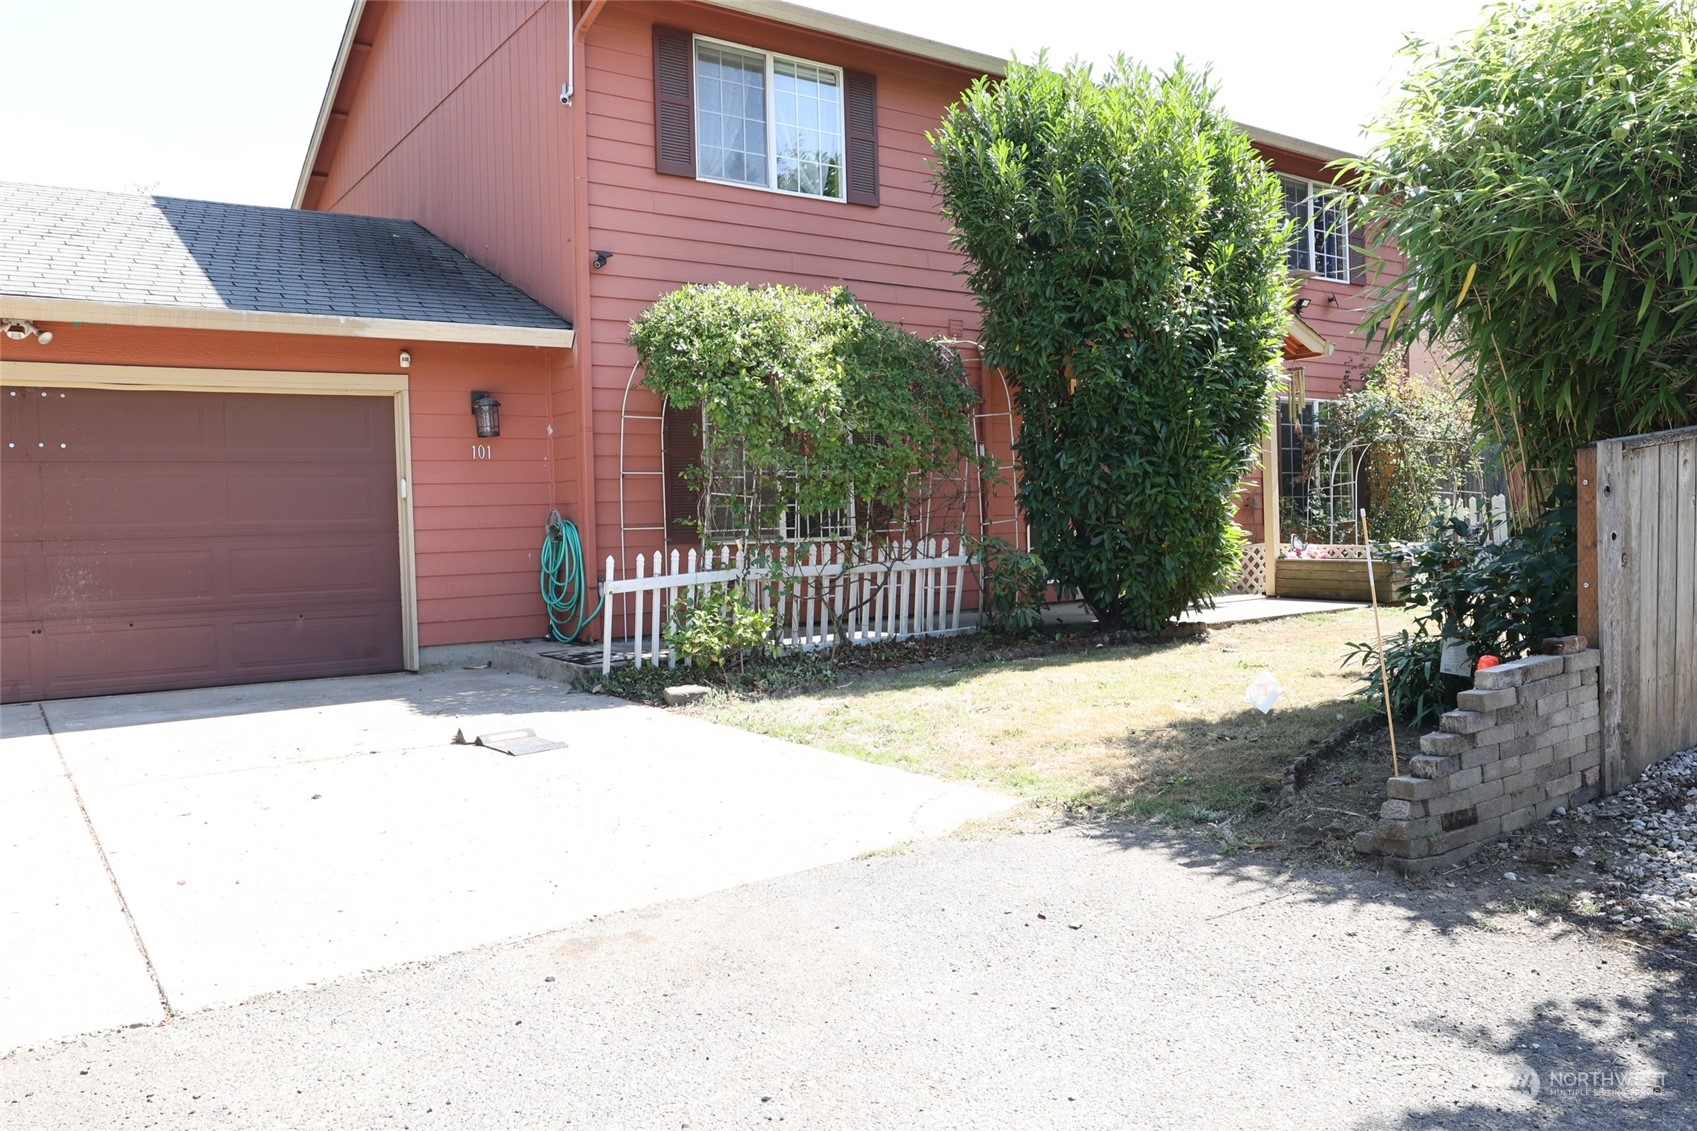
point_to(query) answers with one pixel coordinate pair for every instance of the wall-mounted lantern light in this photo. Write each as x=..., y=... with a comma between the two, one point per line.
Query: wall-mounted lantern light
x=487, y=410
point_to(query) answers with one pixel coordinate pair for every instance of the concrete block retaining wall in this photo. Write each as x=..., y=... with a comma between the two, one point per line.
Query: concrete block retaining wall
x=1526, y=739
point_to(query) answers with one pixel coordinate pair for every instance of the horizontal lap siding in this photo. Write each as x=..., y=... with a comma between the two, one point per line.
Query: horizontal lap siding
x=1336, y=309
x=480, y=522
x=457, y=124
x=668, y=231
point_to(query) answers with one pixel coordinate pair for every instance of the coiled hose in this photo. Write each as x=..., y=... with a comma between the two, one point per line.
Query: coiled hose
x=565, y=585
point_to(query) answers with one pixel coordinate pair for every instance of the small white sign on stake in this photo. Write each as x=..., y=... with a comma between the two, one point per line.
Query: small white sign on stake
x=1264, y=691
x=1455, y=660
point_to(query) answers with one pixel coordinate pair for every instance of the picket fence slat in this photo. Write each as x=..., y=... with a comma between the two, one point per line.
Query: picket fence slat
x=915, y=589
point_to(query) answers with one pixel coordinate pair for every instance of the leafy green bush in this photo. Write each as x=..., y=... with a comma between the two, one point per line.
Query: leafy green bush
x=815, y=393
x=1500, y=600
x=1015, y=586
x=718, y=625
x=1418, y=441
x=1128, y=251
x=1539, y=178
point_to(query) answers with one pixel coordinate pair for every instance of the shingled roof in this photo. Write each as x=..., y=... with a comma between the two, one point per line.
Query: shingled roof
x=136, y=257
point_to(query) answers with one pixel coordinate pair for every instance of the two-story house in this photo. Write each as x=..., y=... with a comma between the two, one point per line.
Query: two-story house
x=493, y=190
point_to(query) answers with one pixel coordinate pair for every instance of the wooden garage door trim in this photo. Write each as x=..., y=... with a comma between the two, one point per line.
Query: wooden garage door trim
x=136, y=377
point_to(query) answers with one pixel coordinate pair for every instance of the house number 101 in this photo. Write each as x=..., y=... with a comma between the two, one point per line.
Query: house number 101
x=482, y=451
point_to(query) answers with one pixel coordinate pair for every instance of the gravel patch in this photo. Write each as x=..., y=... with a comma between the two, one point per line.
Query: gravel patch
x=1649, y=832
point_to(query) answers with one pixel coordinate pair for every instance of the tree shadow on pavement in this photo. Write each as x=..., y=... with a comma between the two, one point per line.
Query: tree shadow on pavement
x=1619, y=1052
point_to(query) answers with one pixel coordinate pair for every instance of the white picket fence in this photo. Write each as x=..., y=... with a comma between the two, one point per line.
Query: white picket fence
x=1478, y=511
x=907, y=590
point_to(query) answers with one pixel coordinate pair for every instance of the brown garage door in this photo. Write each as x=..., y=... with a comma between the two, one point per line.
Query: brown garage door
x=155, y=540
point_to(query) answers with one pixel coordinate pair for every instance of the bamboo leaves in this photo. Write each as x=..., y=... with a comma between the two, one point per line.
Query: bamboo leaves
x=1542, y=167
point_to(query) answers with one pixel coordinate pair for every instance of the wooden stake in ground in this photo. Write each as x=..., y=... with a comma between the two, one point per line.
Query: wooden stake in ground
x=1379, y=637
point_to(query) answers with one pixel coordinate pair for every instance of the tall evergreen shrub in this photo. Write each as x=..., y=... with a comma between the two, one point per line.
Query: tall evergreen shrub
x=1127, y=248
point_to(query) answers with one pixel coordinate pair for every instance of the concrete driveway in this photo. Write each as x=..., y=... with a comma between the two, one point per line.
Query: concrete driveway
x=164, y=853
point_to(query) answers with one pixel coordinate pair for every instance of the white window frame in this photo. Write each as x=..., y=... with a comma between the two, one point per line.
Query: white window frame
x=1305, y=233
x=770, y=91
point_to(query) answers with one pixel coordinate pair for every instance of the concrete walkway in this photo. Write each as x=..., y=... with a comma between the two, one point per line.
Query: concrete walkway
x=168, y=852
x=1234, y=608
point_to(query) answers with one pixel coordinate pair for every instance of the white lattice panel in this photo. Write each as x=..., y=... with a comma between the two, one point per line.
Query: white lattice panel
x=1252, y=577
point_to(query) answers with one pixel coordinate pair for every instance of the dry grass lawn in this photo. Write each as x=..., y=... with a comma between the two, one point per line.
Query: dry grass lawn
x=1146, y=729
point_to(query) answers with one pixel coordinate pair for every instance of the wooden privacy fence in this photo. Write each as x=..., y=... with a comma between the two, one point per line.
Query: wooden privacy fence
x=1638, y=594
x=905, y=590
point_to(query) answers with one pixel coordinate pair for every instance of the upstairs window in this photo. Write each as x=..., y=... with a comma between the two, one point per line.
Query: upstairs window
x=1320, y=243
x=738, y=115
x=768, y=120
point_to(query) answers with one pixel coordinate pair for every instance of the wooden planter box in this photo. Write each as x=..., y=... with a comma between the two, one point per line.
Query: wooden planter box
x=1337, y=579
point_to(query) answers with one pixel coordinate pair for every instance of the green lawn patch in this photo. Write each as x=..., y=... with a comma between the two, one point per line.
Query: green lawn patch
x=1157, y=728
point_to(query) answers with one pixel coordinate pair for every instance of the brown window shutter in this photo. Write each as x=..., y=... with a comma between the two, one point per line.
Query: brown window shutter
x=860, y=109
x=674, y=103
x=680, y=448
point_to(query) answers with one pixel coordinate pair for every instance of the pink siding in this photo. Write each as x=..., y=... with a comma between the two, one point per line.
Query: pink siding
x=456, y=123
x=1335, y=310
x=453, y=119
x=666, y=231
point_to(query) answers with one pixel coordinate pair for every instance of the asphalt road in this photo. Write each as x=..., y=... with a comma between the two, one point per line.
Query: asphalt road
x=1069, y=979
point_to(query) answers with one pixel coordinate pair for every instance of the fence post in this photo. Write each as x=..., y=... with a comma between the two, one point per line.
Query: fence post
x=1586, y=465
x=607, y=621
x=1612, y=538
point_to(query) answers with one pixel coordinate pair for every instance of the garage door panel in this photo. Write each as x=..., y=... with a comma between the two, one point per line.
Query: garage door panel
x=306, y=498
x=124, y=427
x=194, y=539
x=84, y=501
x=300, y=428
x=324, y=571
x=100, y=658
x=265, y=644
x=20, y=500
x=19, y=580
x=104, y=578
x=20, y=669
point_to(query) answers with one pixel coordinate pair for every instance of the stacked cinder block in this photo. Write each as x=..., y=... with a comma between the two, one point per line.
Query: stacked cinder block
x=1525, y=740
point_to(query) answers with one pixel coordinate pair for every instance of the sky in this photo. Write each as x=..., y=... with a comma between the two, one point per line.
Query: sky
x=217, y=100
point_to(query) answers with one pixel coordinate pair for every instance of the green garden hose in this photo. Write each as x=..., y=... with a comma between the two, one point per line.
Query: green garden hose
x=565, y=585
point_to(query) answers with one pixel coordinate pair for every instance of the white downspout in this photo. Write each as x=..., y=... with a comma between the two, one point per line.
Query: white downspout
x=570, y=88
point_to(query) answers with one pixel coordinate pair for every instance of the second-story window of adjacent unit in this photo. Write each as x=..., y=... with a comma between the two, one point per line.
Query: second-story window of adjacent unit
x=768, y=120
x=1320, y=241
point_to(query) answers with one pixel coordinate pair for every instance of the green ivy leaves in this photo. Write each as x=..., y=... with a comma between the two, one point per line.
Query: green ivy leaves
x=822, y=396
